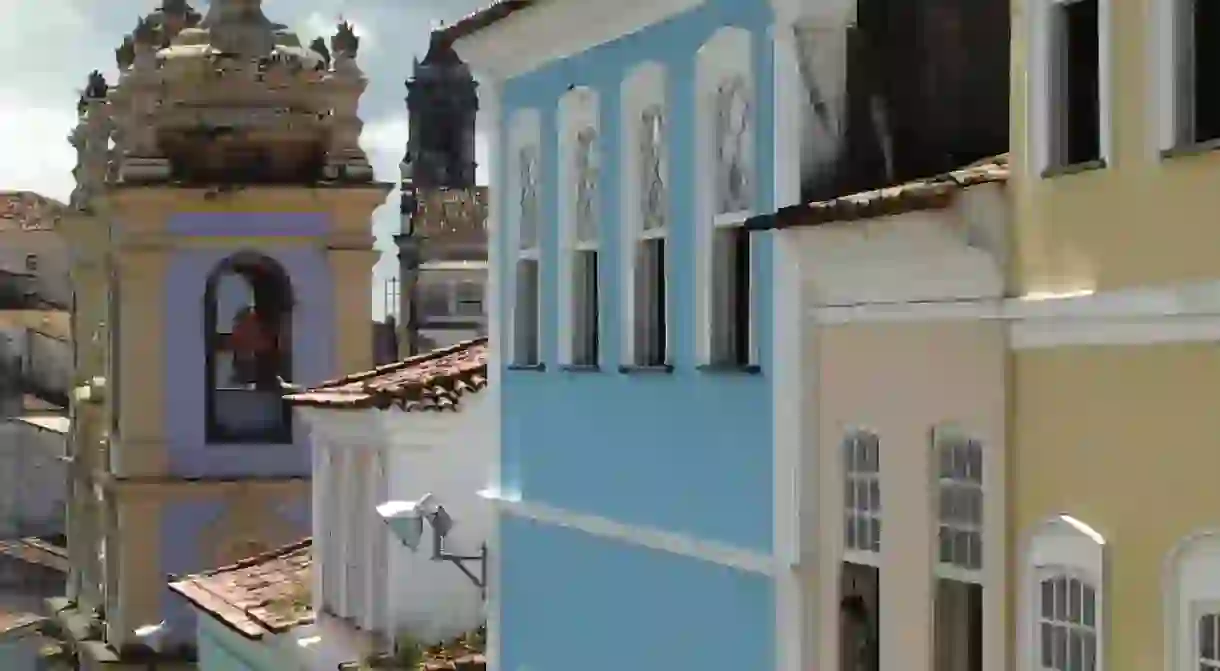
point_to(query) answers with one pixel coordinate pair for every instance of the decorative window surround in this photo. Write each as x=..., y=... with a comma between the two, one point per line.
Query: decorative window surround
x=1192, y=603
x=645, y=193
x=525, y=228
x=579, y=205
x=1063, y=553
x=726, y=170
x=1043, y=105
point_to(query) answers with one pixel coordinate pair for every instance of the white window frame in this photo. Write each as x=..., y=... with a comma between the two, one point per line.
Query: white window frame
x=525, y=132
x=579, y=112
x=1191, y=589
x=728, y=54
x=1061, y=546
x=1041, y=81
x=642, y=89
x=850, y=478
x=1174, y=91
x=952, y=571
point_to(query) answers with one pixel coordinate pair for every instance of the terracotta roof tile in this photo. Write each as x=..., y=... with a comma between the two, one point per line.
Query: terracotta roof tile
x=34, y=550
x=922, y=194
x=28, y=211
x=264, y=594
x=10, y=622
x=480, y=19
x=435, y=381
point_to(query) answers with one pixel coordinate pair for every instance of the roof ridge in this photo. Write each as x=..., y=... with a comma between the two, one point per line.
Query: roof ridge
x=254, y=560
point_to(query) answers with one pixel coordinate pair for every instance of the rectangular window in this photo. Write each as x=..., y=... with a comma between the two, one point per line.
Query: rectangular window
x=469, y=297
x=1197, y=55
x=731, y=273
x=1075, y=79
x=525, y=315
x=650, y=328
x=584, y=308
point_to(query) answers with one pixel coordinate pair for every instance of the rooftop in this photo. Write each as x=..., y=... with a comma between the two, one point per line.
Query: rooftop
x=264, y=594
x=922, y=194
x=434, y=381
x=29, y=211
x=34, y=550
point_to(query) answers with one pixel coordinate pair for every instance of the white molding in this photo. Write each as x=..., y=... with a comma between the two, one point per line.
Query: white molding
x=1162, y=58
x=1060, y=544
x=579, y=109
x=524, y=130
x=727, y=53
x=490, y=103
x=1188, y=312
x=790, y=425
x=643, y=87
x=1190, y=575
x=533, y=37
x=649, y=537
x=1038, y=65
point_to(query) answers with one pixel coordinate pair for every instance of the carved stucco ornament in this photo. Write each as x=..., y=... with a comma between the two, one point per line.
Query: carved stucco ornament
x=345, y=42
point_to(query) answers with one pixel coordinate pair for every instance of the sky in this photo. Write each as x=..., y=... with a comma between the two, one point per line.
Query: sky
x=50, y=46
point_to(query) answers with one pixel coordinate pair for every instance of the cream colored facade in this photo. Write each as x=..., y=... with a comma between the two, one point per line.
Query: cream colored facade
x=1114, y=417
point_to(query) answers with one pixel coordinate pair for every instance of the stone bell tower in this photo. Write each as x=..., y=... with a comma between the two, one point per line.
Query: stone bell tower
x=443, y=211
x=224, y=243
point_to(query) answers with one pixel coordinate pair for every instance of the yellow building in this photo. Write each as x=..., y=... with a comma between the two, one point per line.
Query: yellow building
x=1115, y=517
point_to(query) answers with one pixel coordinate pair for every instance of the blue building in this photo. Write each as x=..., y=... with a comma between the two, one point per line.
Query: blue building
x=646, y=503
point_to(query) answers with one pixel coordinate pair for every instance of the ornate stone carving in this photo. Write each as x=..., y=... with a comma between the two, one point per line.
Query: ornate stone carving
x=527, y=177
x=319, y=47
x=734, y=129
x=653, y=199
x=586, y=172
x=125, y=54
x=97, y=87
x=345, y=42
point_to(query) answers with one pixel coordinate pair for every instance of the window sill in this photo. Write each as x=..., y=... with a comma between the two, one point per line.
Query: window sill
x=1074, y=168
x=730, y=369
x=1191, y=148
x=534, y=367
x=663, y=369
x=581, y=368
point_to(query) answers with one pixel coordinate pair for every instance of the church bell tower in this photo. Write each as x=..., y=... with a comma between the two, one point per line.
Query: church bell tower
x=222, y=221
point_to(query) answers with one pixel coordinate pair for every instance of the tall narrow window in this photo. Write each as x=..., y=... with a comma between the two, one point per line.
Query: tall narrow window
x=584, y=255
x=1067, y=623
x=526, y=346
x=731, y=266
x=1207, y=640
x=860, y=588
x=862, y=485
x=248, y=317
x=1063, y=612
x=1196, y=53
x=1075, y=78
x=650, y=304
x=959, y=585
x=646, y=204
x=1192, y=604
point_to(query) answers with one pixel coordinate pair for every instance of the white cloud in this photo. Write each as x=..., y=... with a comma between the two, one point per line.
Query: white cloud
x=37, y=154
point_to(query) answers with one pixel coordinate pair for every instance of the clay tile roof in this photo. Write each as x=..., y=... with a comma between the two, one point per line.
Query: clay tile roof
x=435, y=381
x=35, y=550
x=28, y=211
x=480, y=19
x=10, y=622
x=922, y=194
x=264, y=594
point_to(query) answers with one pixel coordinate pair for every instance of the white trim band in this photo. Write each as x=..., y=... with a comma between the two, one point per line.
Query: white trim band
x=649, y=537
x=1142, y=316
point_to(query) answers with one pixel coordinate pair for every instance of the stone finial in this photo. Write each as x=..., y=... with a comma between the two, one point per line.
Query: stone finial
x=125, y=54
x=145, y=33
x=319, y=47
x=345, y=42
x=82, y=106
x=97, y=87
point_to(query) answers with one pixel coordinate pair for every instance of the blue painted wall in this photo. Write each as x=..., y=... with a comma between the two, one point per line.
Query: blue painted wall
x=313, y=341
x=575, y=601
x=690, y=451
x=222, y=649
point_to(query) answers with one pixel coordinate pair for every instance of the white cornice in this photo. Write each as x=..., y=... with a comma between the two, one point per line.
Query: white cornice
x=552, y=31
x=1138, y=316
